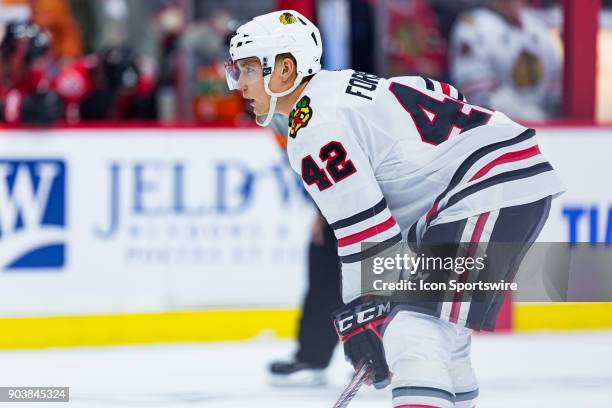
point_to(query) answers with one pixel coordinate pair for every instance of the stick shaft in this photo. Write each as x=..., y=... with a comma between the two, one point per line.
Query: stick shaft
x=351, y=389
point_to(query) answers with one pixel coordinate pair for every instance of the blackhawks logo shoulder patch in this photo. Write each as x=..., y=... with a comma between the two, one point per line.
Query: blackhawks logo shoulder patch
x=287, y=18
x=300, y=116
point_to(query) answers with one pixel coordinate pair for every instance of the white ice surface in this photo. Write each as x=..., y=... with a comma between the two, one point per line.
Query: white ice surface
x=527, y=371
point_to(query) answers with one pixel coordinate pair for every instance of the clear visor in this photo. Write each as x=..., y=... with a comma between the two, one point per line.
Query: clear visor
x=242, y=72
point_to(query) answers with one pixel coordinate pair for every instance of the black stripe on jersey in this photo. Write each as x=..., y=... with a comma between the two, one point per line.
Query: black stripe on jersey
x=372, y=251
x=497, y=179
x=361, y=216
x=477, y=155
x=466, y=396
x=460, y=96
x=429, y=84
x=423, y=392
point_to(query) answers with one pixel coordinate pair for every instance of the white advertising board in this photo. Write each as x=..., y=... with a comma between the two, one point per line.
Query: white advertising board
x=583, y=159
x=116, y=220
x=109, y=221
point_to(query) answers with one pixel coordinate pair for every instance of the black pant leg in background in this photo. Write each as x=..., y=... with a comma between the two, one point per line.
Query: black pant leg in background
x=317, y=337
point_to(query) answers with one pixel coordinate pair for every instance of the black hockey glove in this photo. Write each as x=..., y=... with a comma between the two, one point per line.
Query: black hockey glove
x=359, y=327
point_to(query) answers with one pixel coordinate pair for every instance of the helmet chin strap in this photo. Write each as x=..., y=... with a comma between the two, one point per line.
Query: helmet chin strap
x=274, y=98
x=268, y=116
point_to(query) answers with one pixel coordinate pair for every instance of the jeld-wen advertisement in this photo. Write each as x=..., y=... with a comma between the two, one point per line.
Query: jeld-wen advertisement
x=97, y=221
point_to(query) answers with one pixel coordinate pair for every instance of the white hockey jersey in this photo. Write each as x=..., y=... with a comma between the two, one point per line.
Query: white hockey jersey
x=378, y=155
x=514, y=68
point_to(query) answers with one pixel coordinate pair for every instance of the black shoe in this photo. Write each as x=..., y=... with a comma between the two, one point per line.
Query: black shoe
x=296, y=374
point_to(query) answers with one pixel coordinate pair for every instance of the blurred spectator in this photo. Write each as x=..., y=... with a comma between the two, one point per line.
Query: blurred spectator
x=13, y=11
x=106, y=85
x=135, y=25
x=203, y=51
x=170, y=23
x=110, y=23
x=152, y=29
x=504, y=58
x=238, y=9
x=206, y=44
x=414, y=41
x=56, y=16
x=25, y=95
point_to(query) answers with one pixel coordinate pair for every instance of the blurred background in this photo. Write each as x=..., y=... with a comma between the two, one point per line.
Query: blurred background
x=139, y=203
x=162, y=60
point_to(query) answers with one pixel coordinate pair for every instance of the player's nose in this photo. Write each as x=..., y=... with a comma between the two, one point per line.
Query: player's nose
x=241, y=85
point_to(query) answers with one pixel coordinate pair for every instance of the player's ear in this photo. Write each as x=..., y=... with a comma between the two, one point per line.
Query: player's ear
x=288, y=69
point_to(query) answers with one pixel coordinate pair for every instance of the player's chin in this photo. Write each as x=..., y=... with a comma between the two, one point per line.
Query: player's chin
x=258, y=111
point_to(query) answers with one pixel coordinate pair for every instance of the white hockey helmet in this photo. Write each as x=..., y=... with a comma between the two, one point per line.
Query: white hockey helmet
x=269, y=35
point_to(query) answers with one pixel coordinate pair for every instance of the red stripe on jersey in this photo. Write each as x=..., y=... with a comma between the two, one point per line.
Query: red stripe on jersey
x=432, y=210
x=445, y=88
x=507, y=158
x=474, y=240
x=367, y=233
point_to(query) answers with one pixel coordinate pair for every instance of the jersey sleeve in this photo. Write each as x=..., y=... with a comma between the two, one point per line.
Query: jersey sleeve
x=339, y=177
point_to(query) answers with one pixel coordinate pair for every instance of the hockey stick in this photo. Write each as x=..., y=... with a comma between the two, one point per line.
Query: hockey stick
x=351, y=389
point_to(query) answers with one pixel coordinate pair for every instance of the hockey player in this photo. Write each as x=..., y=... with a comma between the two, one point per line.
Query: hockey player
x=107, y=84
x=316, y=336
x=502, y=57
x=385, y=159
